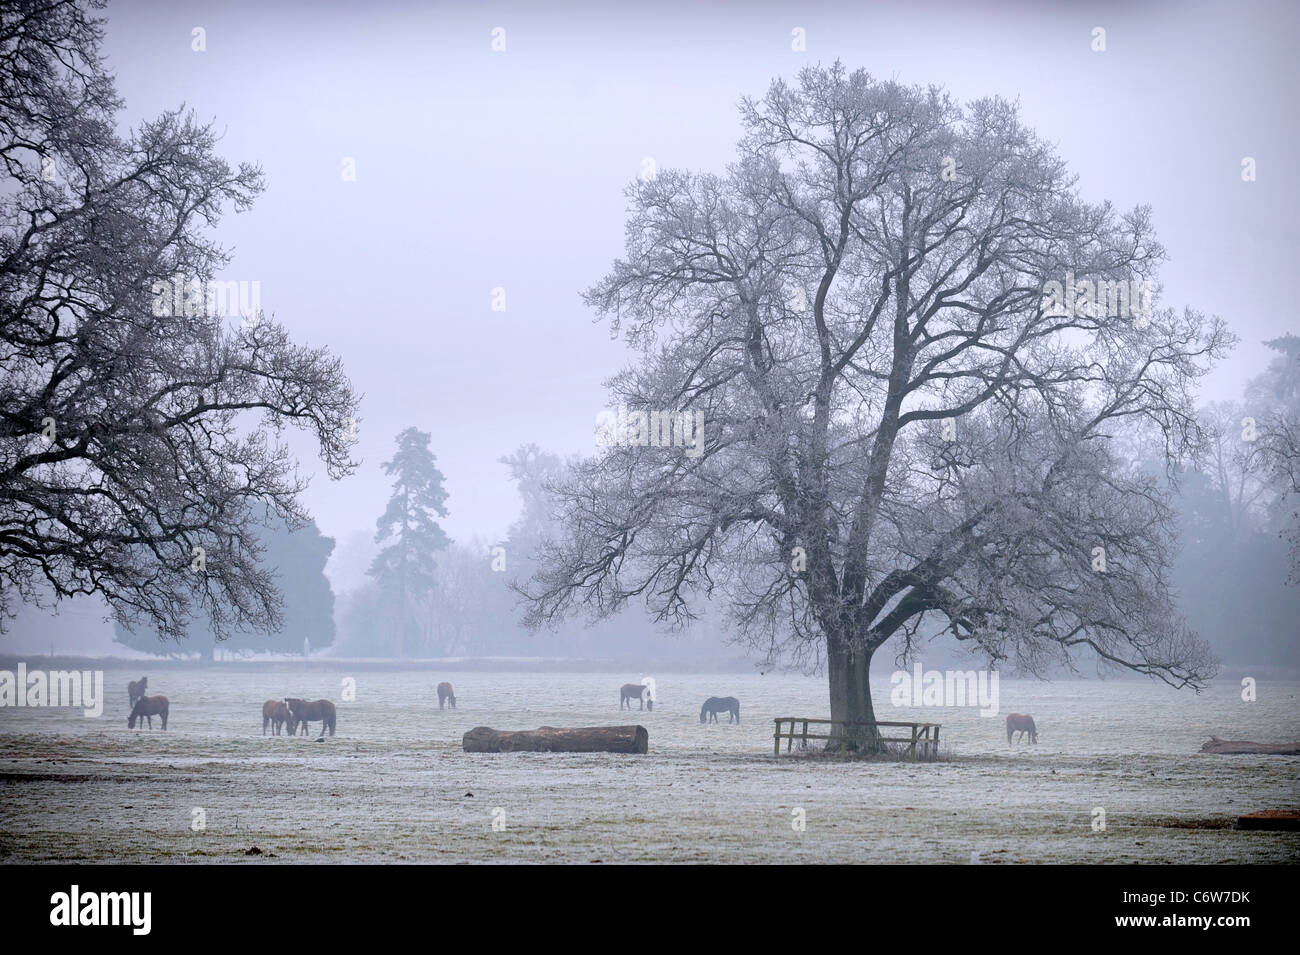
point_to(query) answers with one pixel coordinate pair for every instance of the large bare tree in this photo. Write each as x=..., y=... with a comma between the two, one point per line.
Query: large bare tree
x=908, y=428
x=139, y=427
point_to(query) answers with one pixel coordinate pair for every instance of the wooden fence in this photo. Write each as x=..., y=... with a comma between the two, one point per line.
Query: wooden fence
x=923, y=734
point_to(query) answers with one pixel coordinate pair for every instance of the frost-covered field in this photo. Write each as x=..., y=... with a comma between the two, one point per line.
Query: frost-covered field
x=393, y=785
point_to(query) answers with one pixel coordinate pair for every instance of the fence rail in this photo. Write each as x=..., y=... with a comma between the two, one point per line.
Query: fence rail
x=923, y=735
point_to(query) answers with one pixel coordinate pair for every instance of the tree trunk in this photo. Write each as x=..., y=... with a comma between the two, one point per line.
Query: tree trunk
x=548, y=739
x=848, y=670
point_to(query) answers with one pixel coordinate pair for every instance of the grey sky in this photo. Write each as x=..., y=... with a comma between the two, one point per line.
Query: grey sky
x=477, y=170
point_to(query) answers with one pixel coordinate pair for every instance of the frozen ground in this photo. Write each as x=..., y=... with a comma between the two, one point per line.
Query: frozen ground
x=393, y=785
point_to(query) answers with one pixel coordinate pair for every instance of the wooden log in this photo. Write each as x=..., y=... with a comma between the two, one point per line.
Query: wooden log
x=549, y=739
x=1284, y=820
x=1240, y=746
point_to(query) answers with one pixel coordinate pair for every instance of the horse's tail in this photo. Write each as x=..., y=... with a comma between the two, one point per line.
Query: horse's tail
x=333, y=714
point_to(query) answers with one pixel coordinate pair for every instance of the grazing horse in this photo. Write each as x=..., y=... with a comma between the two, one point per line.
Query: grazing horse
x=446, y=695
x=300, y=711
x=276, y=713
x=136, y=689
x=634, y=691
x=720, y=704
x=146, y=708
x=1021, y=723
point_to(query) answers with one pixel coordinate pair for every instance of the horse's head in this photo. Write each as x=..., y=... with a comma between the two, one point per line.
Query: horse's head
x=1033, y=735
x=649, y=704
x=703, y=710
x=130, y=720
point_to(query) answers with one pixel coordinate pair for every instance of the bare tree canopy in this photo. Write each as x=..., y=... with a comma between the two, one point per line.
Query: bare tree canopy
x=917, y=353
x=139, y=431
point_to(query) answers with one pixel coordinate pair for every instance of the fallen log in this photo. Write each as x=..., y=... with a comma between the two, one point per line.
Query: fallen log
x=549, y=739
x=1284, y=820
x=1240, y=746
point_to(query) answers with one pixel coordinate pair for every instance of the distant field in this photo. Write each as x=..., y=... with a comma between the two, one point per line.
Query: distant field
x=394, y=786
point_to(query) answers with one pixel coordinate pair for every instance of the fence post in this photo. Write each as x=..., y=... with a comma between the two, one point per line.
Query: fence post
x=776, y=740
x=915, y=730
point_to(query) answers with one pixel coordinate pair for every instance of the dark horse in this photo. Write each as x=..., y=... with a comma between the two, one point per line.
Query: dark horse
x=1021, y=723
x=300, y=711
x=136, y=689
x=146, y=708
x=446, y=695
x=634, y=691
x=720, y=704
x=275, y=713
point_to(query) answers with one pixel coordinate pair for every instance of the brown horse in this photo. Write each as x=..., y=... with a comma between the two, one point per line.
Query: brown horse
x=634, y=691
x=446, y=694
x=300, y=711
x=275, y=713
x=720, y=704
x=1022, y=723
x=136, y=689
x=146, y=708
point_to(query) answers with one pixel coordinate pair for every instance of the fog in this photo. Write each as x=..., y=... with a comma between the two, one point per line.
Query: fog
x=489, y=176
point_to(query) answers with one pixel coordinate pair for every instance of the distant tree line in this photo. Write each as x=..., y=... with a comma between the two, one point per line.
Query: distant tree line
x=296, y=559
x=1235, y=574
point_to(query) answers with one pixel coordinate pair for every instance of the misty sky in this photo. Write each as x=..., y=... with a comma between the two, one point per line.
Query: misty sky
x=477, y=169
